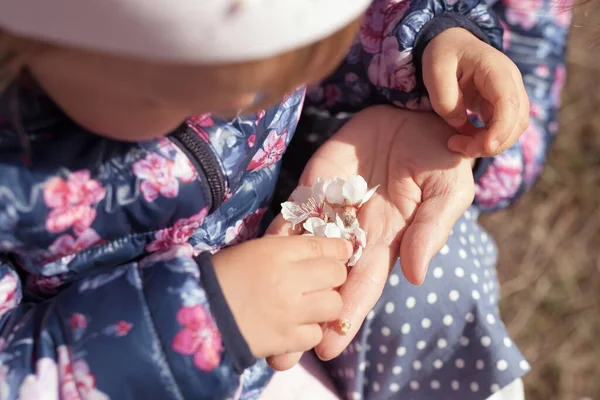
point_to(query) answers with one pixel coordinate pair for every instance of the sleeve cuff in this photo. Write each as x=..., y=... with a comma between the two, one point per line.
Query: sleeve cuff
x=434, y=27
x=234, y=342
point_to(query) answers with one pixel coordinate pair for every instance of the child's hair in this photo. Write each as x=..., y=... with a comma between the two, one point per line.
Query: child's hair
x=272, y=77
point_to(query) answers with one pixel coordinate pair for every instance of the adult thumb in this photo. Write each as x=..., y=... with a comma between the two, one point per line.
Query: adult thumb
x=429, y=230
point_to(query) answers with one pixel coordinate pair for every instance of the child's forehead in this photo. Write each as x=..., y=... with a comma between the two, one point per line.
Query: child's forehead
x=185, y=31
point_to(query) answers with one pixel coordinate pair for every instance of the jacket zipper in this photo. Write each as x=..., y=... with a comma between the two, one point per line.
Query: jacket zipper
x=204, y=160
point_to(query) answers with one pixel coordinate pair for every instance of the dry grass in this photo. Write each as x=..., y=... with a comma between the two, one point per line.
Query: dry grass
x=550, y=241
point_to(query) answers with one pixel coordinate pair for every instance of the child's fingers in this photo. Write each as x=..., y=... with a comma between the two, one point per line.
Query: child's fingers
x=283, y=362
x=444, y=92
x=508, y=101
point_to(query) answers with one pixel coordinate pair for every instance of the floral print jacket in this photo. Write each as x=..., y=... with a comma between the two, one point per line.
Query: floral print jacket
x=106, y=284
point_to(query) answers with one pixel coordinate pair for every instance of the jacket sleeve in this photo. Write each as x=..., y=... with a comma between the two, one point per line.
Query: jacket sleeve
x=384, y=64
x=535, y=36
x=158, y=329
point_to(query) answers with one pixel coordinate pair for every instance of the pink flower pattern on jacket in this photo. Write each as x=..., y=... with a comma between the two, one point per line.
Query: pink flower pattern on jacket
x=72, y=202
x=245, y=229
x=380, y=19
x=392, y=68
x=68, y=246
x=178, y=234
x=199, y=337
x=160, y=176
x=501, y=180
x=8, y=293
x=271, y=152
x=65, y=381
x=199, y=123
x=524, y=13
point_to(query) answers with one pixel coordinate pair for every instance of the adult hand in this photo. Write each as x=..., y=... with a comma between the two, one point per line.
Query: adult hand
x=424, y=188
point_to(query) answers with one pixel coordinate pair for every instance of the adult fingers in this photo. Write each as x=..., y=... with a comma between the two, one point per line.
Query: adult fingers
x=427, y=233
x=359, y=294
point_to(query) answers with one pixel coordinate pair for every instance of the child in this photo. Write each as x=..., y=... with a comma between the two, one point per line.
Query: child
x=102, y=296
x=204, y=187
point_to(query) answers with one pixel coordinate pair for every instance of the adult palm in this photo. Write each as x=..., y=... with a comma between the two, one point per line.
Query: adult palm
x=424, y=188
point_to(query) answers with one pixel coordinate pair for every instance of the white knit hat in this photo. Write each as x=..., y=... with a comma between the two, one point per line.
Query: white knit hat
x=186, y=31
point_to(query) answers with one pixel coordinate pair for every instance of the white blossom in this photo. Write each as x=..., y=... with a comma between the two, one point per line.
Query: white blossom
x=329, y=209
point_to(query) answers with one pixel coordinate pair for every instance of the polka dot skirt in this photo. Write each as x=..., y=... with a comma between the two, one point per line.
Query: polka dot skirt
x=443, y=340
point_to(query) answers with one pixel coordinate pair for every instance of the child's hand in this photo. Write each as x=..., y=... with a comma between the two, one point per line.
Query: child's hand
x=461, y=72
x=280, y=288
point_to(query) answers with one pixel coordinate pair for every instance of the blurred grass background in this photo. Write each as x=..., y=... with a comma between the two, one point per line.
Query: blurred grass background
x=550, y=240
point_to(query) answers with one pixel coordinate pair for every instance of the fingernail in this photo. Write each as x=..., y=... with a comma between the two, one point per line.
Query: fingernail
x=494, y=145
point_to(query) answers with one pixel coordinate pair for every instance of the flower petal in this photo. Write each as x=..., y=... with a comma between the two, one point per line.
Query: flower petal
x=313, y=223
x=292, y=213
x=332, y=231
x=355, y=257
x=368, y=196
x=301, y=194
x=355, y=189
x=334, y=191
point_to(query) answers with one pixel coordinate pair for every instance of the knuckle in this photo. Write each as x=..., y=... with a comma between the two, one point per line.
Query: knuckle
x=314, y=247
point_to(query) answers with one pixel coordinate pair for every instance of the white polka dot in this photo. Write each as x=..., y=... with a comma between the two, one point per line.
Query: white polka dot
x=467, y=215
x=463, y=240
x=411, y=302
x=438, y=364
x=490, y=319
x=486, y=341
x=397, y=370
x=362, y=366
x=445, y=250
x=385, y=331
x=438, y=272
x=383, y=349
x=380, y=368
x=455, y=385
x=356, y=396
x=431, y=298
x=390, y=307
x=479, y=364
x=459, y=363
x=469, y=317
x=414, y=385
x=376, y=387
x=435, y=385
x=417, y=365
x=475, y=295
x=421, y=344
x=484, y=237
x=442, y=343
x=459, y=272
x=401, y=351
x=502, y=365
x=463, y=227
x=474, y=387
x=507, y=342
x=471, y=239
x=524, y=365
x=464, y=341
x=477, y=263
x=448, y=320
x=454, y=295
x=462, y=254
x=371, y=315
x=495, y=388
x=405, y=329
x=486, y=273
x=426, y=323
x=474, y=278
x=394, y=387
x=492, y=300
x=368, y=347
x=394, y=280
